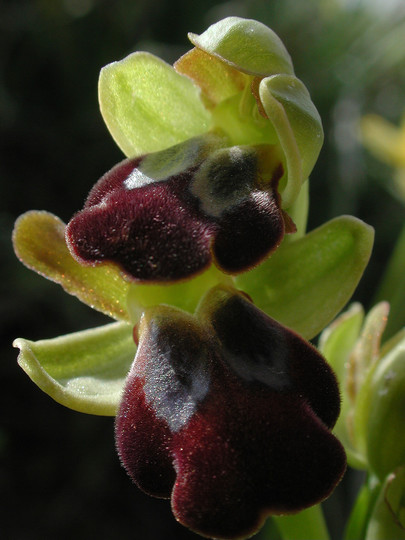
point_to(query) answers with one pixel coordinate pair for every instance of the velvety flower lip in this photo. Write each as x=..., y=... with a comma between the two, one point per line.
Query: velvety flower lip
x=166, y=216
x=228, y=413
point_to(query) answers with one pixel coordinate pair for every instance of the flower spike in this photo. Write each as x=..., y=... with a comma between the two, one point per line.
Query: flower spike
x=225, y=410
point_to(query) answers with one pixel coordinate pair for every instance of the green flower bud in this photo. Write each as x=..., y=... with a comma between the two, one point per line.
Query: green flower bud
x=385, y=402
x=373, y=388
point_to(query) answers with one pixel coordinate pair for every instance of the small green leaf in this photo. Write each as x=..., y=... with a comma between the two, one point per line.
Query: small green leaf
x=148, y=106
x=247, y=45
x=39, y=242
x=84, y=371
x=304, y=284
x=297, y=123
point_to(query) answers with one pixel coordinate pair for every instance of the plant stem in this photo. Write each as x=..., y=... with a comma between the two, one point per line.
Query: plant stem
x=309, y=523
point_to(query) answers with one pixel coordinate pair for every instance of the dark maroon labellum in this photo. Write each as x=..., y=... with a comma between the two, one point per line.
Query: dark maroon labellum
x=229, y=414
x=167, y=216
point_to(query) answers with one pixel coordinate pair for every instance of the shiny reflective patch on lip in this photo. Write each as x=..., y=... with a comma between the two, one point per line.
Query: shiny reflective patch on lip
x=175, y=367
x=137, y=179
x=172, y=392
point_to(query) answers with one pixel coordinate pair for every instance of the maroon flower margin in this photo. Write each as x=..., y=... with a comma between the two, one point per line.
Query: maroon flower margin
x=228, y=413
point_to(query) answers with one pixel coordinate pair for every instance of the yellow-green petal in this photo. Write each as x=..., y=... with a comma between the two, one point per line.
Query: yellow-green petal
x=304, y=284
x=39, y=242
x=247, y=45
x=148, y=106
x=218, y=81
x=298, y=125
x=84, y=371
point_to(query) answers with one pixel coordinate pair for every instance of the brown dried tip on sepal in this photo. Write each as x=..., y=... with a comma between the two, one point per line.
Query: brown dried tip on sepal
x=166, y=226
x=228, y=413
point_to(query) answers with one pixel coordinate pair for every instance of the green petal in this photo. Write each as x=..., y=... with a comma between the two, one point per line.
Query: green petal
x=84, y=371
x=298, y=125
x=39, y=242
x=247, y=45
x=148, y=106
x=336, y=343
x=307, y=282
x=218, y=81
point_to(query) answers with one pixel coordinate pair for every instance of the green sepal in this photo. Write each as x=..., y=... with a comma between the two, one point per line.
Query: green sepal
x=288, y=105
x=84, y=371
x=148, y=106
x=387, y=520
x=336, y=343
x=304, y=284
x=39, y=243
x=247, y=45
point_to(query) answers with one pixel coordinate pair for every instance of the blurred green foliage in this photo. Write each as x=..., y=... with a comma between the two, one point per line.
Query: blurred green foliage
x=59, y=473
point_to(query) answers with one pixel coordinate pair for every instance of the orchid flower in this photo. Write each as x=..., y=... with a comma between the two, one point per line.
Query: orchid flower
x=221, y=404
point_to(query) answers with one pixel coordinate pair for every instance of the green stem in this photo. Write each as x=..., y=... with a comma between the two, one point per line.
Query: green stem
x=309, y=523
x=362, y=509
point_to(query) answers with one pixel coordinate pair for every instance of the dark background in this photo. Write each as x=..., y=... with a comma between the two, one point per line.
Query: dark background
x=59, y=476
